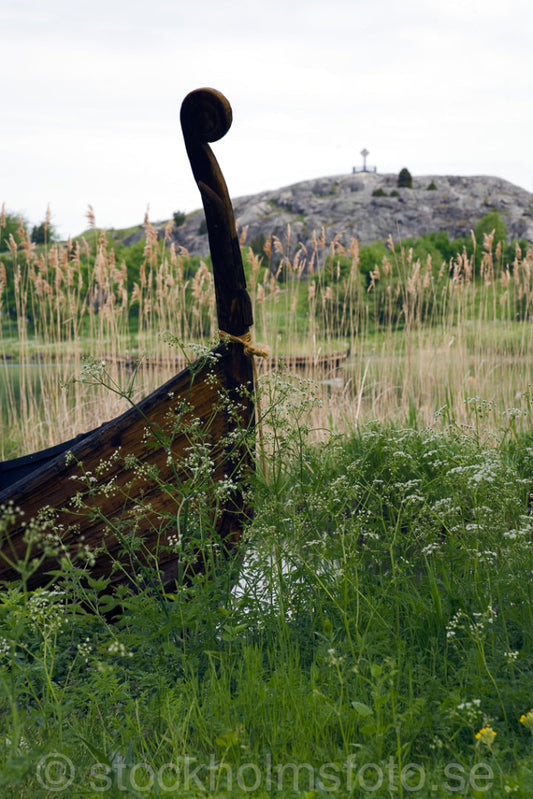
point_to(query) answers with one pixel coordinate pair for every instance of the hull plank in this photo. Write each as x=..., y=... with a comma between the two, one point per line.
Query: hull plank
x=132, y=470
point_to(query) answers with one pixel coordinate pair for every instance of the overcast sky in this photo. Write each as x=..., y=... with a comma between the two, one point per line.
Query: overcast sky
x=91, y=94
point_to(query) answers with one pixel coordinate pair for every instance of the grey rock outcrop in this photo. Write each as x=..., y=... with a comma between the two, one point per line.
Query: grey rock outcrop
x=345, y=205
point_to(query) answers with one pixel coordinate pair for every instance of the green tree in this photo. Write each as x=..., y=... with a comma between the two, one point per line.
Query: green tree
x=370, y=256
x=44, y=233
x=258, y=244
x=438, y=245
x=405, y=180
x=491, y=222
x=10, y=224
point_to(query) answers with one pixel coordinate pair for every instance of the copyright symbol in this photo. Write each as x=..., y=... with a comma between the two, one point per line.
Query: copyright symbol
x=55, y=771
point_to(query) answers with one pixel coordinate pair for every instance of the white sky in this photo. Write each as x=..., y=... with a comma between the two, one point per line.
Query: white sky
x=91, y=93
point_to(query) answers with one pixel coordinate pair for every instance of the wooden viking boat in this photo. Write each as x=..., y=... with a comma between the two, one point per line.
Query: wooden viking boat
x=130, y=479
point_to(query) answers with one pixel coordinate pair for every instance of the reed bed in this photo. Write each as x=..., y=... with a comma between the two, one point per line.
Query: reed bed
x=417, y=341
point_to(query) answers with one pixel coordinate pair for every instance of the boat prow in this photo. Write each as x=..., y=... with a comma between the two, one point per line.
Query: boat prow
x=173, y=469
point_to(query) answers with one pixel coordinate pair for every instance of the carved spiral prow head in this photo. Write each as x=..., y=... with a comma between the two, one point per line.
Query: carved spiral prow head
x=205, y=116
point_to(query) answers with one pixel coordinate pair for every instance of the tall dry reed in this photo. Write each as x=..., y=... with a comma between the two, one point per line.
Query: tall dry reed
x=420, y=341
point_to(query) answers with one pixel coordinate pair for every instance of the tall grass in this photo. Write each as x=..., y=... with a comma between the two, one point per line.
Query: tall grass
x=382, y=620
x=70, y=303
x=423, y=338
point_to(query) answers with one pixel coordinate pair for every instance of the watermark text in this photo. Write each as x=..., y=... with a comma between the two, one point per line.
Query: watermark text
x=56, y=773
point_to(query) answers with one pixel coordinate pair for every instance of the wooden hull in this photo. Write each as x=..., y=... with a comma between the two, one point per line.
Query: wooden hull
x=131, y=479
x=160, y=483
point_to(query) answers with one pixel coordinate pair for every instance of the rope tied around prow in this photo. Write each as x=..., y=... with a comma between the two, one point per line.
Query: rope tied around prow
x=253, y=351
x=250, y=349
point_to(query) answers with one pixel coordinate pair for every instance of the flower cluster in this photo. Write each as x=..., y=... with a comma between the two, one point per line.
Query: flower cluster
x=85, y=649
x=527, y=720
x=470, y=711
x=486, y=735
x=511, y=655
x=175, y=541
x=118, y=648
x=47, y=610
x=92, y=371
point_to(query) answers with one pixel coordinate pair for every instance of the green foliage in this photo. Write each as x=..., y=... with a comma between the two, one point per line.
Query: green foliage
x=491, y=222
x=336, y=267
x=371, y=256
x=436, y=246
x=179, y=218
x=258, y=244
x=431, y=186
x=383, y=605
x=446, y=248
x=11, y=225
x=44, y=233
x=502, y=250
x=405, y=180
x=133, y=256
x=379, y=193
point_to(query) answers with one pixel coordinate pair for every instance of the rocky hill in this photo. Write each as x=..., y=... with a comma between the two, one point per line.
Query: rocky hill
x=347, y=205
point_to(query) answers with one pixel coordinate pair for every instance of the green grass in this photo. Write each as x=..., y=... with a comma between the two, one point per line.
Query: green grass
x=383, y=616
